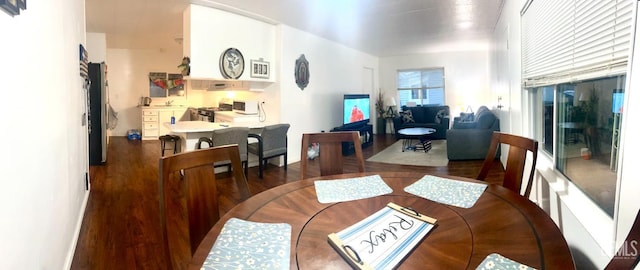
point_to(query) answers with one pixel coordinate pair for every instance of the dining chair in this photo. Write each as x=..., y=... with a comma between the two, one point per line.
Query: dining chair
x=330, y=157
x=272, y=142
x=189, y=198
x=232, y=135
x=518, y=148
x=627, y=256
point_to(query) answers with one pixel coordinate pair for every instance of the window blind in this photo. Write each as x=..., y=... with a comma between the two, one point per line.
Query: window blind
x=572, y=40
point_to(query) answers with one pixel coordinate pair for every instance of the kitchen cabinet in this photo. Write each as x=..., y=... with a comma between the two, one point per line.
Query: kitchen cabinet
x=207, y=34
x=153, y=119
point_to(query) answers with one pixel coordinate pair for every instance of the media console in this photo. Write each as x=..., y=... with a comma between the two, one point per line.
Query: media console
x=366, y=137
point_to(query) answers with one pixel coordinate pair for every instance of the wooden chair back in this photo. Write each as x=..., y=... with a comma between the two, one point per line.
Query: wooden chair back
x=189, y=198
x=514, y=171
x=330, y=157
x=627, y=256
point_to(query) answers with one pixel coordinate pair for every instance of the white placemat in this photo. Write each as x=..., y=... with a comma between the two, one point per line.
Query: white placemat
x=448, y=191
x=250, y=245
x=342, y=190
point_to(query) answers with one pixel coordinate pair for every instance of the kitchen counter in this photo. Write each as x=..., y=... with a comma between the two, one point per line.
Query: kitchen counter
x=191, y=131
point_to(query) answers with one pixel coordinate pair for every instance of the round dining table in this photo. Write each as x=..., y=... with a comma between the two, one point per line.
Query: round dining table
x=500, y=221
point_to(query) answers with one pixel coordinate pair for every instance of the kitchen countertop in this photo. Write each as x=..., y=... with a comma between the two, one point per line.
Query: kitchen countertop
x=203, y=126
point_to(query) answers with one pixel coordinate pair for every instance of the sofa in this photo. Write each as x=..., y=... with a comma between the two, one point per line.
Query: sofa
x=470, y=135
x=436, y=117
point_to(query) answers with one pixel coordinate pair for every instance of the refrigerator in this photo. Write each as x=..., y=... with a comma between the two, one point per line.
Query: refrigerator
x=97, y=115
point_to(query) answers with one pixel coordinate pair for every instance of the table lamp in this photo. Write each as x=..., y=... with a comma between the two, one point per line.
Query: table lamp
x=391, y=102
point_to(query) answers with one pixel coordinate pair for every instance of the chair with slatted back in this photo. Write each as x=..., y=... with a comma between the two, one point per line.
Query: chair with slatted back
x=518, y=148
x=330, y=157
x=189, y=198
x=628, y=254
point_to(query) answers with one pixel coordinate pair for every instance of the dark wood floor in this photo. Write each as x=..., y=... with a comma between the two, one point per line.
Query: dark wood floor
x=121, y=226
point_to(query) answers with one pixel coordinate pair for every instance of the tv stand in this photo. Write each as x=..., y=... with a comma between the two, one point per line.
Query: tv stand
x=366, y=137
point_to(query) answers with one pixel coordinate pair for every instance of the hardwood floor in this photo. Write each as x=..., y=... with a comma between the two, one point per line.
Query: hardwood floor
x=121, y=226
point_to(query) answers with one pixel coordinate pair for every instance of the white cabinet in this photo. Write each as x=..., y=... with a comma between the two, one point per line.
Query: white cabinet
x=149, y=124
x=153, y=120
x=207, y=34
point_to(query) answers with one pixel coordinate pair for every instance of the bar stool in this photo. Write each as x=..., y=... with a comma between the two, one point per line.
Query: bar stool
x=164, y=139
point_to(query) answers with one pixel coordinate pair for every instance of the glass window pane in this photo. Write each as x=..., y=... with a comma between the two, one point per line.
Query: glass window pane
x=547, y=119
x=409, y=96
x=433, y=78
x=409, y=79
x=587, y=133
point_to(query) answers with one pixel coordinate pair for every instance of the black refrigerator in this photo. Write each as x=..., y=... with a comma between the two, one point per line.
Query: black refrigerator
x=97, y=115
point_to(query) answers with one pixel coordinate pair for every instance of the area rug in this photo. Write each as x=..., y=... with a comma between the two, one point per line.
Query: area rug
x=437, y=156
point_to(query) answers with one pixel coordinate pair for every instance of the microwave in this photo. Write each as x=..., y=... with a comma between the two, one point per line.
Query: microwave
x=246, y=107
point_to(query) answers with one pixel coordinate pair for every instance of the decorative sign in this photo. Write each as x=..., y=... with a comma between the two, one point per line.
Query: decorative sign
x=12, y=7
x=260, y=69
x=302, y=72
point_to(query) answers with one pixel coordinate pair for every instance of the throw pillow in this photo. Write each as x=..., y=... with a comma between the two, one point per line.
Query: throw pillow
x=407, y=117
x=466, y=117
x=441, y=114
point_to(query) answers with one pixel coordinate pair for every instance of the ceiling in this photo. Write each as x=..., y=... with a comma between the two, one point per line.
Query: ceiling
x=378, y=27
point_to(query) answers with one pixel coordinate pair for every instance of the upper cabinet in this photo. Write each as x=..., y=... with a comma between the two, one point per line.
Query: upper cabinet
x=209, y=32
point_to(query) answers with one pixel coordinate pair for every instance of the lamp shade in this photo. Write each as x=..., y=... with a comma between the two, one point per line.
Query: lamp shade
x=391, y=101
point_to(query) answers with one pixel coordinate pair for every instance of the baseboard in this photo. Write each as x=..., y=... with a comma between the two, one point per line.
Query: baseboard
x=72, y=248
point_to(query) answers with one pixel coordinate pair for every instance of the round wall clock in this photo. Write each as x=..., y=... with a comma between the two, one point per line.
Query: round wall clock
x=231, y=63
x=302, y=72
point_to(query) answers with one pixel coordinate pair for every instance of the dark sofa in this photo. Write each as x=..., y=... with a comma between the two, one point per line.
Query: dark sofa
x=436, y=117
x=470, y=139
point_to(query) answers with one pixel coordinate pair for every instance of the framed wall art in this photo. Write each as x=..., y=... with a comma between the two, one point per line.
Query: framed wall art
x=260, y=69
x=22, y=4
x=231, y=63
x=302, y=72
x=11, y=6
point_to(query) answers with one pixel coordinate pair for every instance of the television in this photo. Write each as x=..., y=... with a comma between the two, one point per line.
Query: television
x=618, y=101
x=356, y=110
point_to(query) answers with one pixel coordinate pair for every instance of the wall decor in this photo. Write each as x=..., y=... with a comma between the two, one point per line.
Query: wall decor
x=22, y=4
x=11, y=7
x=302, y=72
x=260, y=69
x=231, y=63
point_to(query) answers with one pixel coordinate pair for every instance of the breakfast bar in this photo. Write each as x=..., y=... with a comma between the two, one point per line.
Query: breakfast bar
x=191, y=131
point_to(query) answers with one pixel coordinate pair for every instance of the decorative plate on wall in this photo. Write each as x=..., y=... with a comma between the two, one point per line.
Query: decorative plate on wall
x=302, y=72
x=231, y=63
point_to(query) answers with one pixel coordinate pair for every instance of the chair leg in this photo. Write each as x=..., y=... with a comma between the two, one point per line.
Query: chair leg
x=285, y=161
x=260, y=166
x=245, y=164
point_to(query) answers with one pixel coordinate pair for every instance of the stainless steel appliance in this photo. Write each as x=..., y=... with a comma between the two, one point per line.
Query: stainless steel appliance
x=98, y=115
x=208, y=113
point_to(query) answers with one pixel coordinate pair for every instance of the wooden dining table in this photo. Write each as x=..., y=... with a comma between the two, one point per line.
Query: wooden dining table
x=500, y=221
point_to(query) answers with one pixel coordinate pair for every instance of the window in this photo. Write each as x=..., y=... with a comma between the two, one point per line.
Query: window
x=587, y=133
x=421, y=87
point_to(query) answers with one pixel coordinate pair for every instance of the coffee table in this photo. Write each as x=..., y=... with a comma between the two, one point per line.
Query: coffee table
x=417, y=133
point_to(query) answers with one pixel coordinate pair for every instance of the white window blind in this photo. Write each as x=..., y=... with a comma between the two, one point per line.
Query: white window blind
x=571, y=40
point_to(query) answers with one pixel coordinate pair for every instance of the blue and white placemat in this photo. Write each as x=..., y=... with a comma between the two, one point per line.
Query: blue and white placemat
x=251, y=245
x=496, y=261
x=447, y=191
x=342, y=190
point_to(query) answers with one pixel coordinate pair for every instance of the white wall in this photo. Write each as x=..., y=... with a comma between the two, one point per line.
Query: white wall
x=466, y=74
x=44, y=143
x=334, y=70
x=128, y=71
x=590, y=233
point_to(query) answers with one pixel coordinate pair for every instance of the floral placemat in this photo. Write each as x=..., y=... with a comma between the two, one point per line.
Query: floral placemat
x=448, y=191
x=342, y=190
x=496, y=261
x=251, y=245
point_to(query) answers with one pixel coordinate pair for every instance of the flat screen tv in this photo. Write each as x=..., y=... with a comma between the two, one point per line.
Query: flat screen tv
x=356, y=109
x=618, y=101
